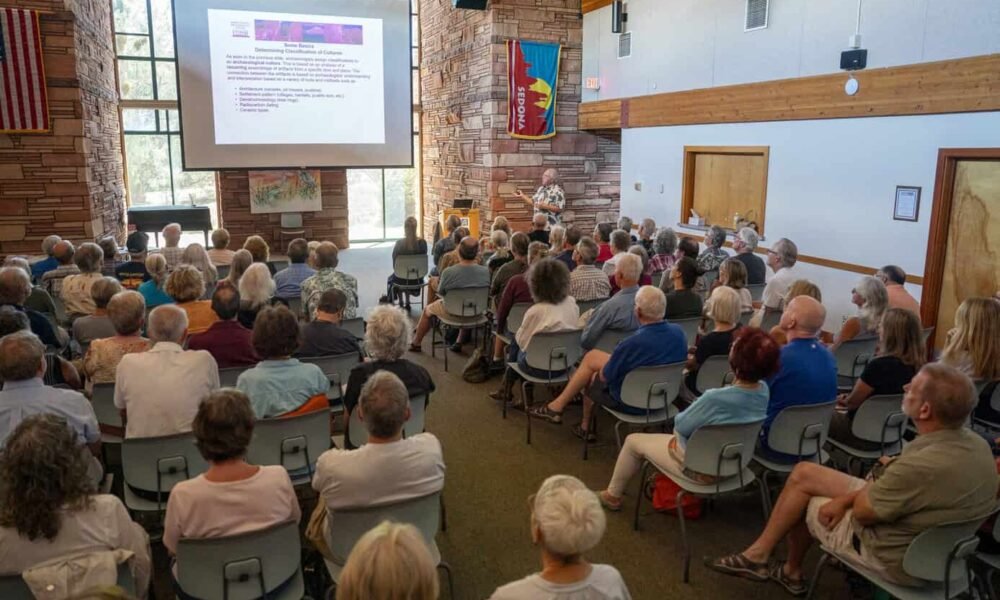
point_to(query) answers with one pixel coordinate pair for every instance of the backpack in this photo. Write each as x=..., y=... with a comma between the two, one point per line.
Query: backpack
x=478, y=368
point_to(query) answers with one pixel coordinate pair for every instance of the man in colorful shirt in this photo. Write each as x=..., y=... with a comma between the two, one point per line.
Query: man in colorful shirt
x=328, y=277
x=549, y=199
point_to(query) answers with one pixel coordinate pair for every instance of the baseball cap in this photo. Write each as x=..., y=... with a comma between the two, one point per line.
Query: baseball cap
x=137, y=241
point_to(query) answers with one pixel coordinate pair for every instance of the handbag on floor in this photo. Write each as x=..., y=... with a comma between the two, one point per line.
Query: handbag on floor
x=665, y=497
x=478, y=368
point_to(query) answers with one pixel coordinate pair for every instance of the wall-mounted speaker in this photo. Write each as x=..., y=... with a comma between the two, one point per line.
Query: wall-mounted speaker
x=471, y=4
x=618, y=16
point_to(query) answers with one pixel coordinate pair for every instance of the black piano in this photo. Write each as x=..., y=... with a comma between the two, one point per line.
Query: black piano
x=155, y=218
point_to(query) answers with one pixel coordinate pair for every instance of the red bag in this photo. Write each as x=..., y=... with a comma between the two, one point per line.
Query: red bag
x=665, y=498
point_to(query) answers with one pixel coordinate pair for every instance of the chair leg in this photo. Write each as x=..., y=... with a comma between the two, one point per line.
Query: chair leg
x=433, y=338
x=444, y=515
x=444, y=349
x=591, y=428
x=618, y=434
x=765, y=496
x=815, y=579
x=524, y=400
x=684, y=540
x=451, y=583
x=638, y=497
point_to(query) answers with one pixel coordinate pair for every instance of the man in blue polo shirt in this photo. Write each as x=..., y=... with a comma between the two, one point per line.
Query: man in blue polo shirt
x=808, y=373
x=656, y=342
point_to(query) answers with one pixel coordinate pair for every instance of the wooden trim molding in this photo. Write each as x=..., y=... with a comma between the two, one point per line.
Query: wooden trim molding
x=948, y=86
x=592, y=5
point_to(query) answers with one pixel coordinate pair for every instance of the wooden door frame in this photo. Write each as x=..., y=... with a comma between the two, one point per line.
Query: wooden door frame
x=937, y=238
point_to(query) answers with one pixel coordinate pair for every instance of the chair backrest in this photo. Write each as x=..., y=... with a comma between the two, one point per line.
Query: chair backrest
x=610, y=338
x=771, y=318
x=516, y=316
x=722, y=450
x=229, y=375
x=942, y=549
x=467, y=302
x=13, y=587
x=103, y=399
x=926, y=334
x=852, y=355
x=240, y=567
x=880, y=419
x=349, y=524
x=337, y=368
x=295, y=305
x=801, y=430
x=586, y=305
x=410, y=266
x=654, y=387
x=290, y=220
x=690, y=327
x=223, y=271
x=157, y=464
x=995, y=399
x=279, y=265
x=416, y=423
x=554, y=350
x=355, y=326
x=712, y=373
x=756, y=291
x=656, y=278
x=292, y=442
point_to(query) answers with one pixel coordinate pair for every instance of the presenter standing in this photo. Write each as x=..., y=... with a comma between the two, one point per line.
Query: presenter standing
x=549, y=199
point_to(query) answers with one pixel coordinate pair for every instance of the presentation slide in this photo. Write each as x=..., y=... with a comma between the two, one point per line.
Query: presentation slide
x=326, y=84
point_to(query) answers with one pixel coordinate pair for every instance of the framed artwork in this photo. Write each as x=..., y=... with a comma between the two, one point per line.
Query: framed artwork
x=285, y=191
x=907, y=207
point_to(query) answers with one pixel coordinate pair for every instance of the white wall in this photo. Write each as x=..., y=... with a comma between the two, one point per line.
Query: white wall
x=691, y=44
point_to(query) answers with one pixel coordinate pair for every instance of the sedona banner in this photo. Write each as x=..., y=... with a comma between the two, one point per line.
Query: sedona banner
x=532, y=74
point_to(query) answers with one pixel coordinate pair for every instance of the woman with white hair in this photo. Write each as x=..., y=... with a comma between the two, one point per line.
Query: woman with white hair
x=724, y=308
x=557, y=237
x=662, y=258
x=647, y=229
x=566, y=521
x=242, y=259
x=549, y=199
x=713, y=255
x=872, y=300
x=196, y=256
x=500, y=242
x=75, y=292
x=389, y=562
x=256, y=292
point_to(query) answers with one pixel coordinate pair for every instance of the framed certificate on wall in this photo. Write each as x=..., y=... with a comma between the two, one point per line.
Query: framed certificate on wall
x=907, y=207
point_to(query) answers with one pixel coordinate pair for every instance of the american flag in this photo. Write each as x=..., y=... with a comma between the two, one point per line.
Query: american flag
x=23, y=103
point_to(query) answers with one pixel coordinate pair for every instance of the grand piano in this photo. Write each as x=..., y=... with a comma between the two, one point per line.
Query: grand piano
x=154, y=218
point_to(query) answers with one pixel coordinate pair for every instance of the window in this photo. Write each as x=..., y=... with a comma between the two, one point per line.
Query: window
x=379, y=200
x=147, y=82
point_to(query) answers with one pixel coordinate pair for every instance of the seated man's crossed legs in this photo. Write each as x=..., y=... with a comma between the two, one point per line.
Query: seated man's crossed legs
x=590, y=368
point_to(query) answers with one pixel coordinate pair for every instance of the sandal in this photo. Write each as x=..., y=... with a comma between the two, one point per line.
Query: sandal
x=605, y=499
x=582, y=433
x=416, y=348
x=795, y=587
x=739, y=566
x=544, y=412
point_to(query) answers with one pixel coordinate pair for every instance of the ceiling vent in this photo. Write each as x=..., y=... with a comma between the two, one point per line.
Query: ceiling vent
x=756, y=17
x=625, y=45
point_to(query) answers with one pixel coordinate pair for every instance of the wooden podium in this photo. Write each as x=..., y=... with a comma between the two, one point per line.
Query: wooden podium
x=469, y=216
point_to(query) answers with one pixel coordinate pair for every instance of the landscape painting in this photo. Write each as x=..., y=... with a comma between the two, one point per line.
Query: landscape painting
x=285, y=191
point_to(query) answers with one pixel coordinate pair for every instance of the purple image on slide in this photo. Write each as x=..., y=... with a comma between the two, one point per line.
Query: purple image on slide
x=313, y=33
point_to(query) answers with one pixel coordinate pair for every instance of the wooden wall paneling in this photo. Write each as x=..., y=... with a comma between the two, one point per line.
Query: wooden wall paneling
x=949, y=86
x=591, y=5
x=606, y=114
x=720, y=181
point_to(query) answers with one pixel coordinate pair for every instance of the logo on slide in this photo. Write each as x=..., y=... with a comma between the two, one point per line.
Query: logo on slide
x=532, y=73
x=311, y=33
x=241, y=29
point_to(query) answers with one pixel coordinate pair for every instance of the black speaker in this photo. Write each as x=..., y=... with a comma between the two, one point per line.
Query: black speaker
x=473, y=4
x=618, y=16
x=853, y=60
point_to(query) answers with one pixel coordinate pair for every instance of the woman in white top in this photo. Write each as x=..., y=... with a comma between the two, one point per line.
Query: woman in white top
x=232, y=496
x=48, y=508
x=566, y=521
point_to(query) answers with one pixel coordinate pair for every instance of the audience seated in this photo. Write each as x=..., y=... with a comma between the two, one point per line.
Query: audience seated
x=410, y=245
x=280, y=384
x=499, y=244
x=49, y=509
x=327, y=277
x=586, y=281
x=38, y=300
x=256, y=293
x=152, y=289
x=186, y=286
x=662, y=257
x=500, y=223
x=110, y=249
x=288, y=281
x=390, y=561
x=447, y=243
x=407, y=468
x=647, y=231
x=753, y=358
x=564, y=254
x=557, y=238
x=871, y=522
x=900, y=355
x=97, y=325
x=620, y=243
x=688, y=247
x=196, y=256
x=713, y=255
x=808, y=373
x=242, y=259
x=58, y=371
x=232, y=496
x=171, y=250
x=324, y=335
x=466, y=274
x=260, y=252
x=448, y=260
x=52, y=281
x=566, y=522
x=601, y=375
x=41, y=267
x=220, y=254
x=517, y=291
x=644, y=278
x=158, y=391
x=745, y=243
x=539, y=231
x=625, y=224
x=127, y=314
x=682, y=301
x=894, y=278
x=971, y=346
x=75, y=289
x=724, y=311
x=133, y=273
x=870, y=297
x=229, y=342
x=733, y=274
x=602, y=235
x=15, y=288
x=618, y=313
x=519, y=243
x=799, y=287
x=781, y=257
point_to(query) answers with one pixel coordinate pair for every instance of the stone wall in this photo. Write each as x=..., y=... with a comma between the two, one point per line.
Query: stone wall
x=330, y=224
x=68, y=181
x=467, y=152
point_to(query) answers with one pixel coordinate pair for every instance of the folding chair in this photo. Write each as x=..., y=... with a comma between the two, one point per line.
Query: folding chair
x=279, y=265
x=466, y=309
x=156, y=465
x=514, y=318
x=292, y=442
x=994, y=402
x=652, y=389
x=756, y=291
x=771, y=319
x=879, y=419
x=991, y=564
x=690, y=327
x=610, y=338
x=586, y=305
x=229, y=375
x=223, y=271
x=337, y=368
x=550, y=352
x=851, y=357
x=722, y=451
x=13, y=587
x=938, y=557
x=355, y=326
x=257, y=564
x=656, y=279
x=713, y=373
x=799, y=431
x=103, y=399
x=411, y=267
x=295, y=305
x=418, y=409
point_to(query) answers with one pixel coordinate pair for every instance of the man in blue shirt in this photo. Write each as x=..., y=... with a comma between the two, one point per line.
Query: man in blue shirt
x=808, y=373
x=618, y=313
x=15, y=287
x=656, y=342
x=49, y=262
x=288, y=281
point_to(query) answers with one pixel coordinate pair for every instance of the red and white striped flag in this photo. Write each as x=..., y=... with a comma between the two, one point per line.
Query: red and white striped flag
x=24, y=107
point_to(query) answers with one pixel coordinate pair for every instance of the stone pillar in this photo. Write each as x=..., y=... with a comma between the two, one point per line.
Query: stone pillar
x=69, y=181
x=466, y=150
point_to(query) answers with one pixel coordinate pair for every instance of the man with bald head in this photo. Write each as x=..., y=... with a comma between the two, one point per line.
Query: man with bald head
x=808, y=373
x=40, y=268
x=15, y=287
x=468, y=273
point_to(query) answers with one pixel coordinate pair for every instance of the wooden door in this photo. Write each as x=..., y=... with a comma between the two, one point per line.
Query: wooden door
x=971, y=250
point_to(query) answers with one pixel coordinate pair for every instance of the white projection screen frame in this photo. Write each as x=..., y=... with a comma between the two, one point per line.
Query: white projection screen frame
x=327, y=137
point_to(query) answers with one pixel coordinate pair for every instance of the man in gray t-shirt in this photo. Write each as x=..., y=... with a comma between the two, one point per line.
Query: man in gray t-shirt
x=468, y=273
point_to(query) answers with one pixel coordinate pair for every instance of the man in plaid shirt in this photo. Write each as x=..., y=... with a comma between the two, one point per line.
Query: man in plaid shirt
x=587, y=282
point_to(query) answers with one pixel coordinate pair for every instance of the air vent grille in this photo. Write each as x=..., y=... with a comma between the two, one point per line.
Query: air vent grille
x=756, y=17
x=625, y=45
